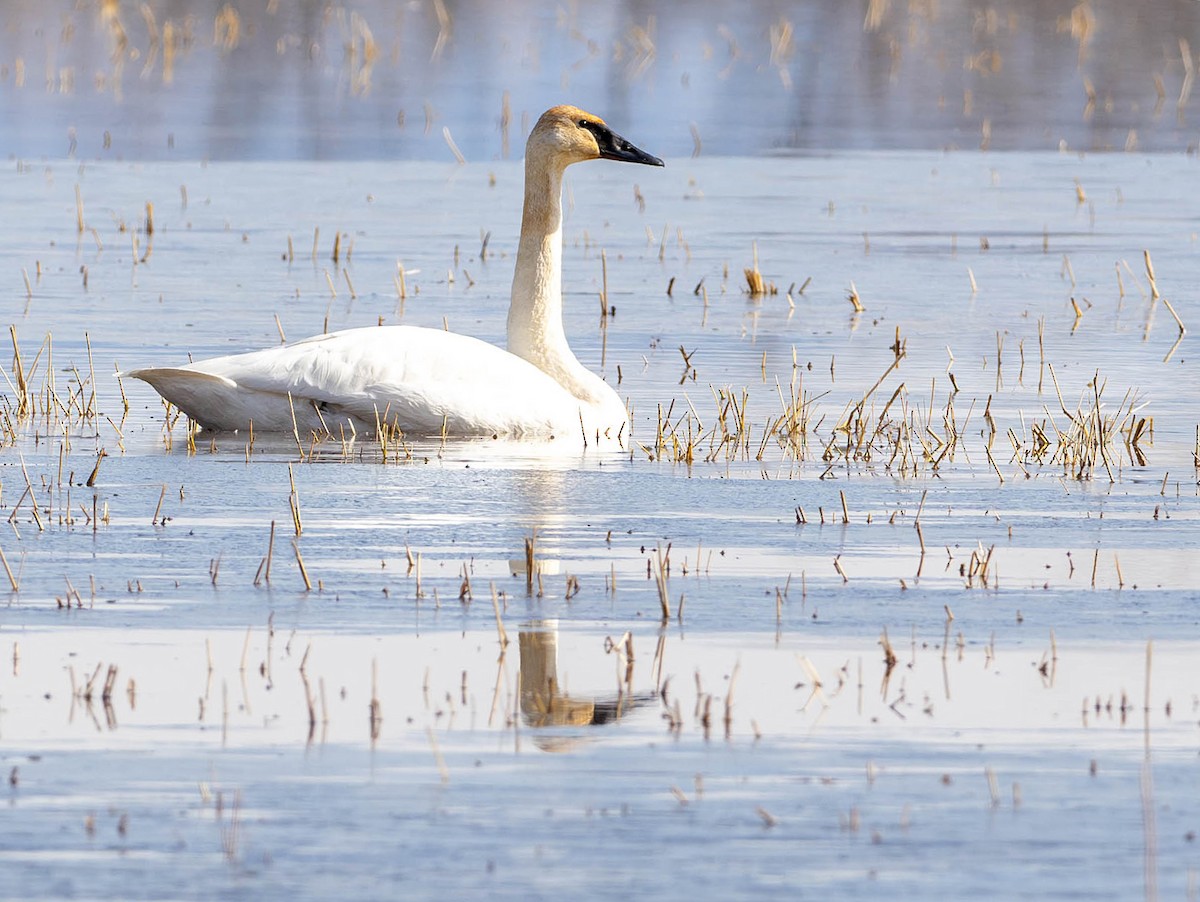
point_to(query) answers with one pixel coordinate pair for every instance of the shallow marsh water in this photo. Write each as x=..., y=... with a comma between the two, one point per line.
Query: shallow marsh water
x=847, y=790
x=1038, y=732
x=979, y=747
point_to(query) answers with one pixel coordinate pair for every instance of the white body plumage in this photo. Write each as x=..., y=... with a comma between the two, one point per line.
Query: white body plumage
x=429, y=381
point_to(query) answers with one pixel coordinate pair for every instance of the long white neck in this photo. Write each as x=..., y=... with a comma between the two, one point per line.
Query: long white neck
x=535, y=321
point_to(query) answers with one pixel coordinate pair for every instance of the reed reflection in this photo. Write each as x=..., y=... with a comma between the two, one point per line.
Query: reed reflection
x=188, y=79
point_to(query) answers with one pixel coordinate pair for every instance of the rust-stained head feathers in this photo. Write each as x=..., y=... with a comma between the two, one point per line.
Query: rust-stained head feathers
x=571, y=135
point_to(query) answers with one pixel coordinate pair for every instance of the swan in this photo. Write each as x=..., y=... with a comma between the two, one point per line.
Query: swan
x=429, y=381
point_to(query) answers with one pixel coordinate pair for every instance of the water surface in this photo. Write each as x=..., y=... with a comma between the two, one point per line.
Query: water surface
x=307, y=691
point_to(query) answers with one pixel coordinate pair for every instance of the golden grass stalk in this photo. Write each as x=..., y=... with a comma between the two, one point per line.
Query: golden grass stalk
x=756, y=285
x=1154, y=295
x=660, y=581
x=855, y=300
x=16, y=586
x=300, y=565
x=293, y=503
x=158, y=507
x=91, y=480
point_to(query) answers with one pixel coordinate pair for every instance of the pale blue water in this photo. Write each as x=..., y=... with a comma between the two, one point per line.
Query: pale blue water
x=873, y=786
x=515, y=823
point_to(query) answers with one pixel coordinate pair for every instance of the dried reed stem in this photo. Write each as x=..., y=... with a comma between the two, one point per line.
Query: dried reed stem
x=300, y=564
x=660, y=581
x=500, y=631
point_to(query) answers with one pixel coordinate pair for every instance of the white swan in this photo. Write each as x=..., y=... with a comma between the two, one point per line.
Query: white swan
x=429, y=381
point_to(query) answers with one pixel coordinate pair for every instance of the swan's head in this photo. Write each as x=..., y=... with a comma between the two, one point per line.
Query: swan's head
x=569, y=135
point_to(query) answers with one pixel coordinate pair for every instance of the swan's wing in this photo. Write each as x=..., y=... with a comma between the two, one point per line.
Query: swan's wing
x=420, y=379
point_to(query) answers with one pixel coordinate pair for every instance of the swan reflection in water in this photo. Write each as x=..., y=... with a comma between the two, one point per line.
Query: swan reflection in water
x=544, y=703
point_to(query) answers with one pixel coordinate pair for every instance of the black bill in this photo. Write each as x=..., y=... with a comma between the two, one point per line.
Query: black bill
x=614, y=147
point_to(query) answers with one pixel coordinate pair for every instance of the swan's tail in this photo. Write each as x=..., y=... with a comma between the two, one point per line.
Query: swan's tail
x=212, y=401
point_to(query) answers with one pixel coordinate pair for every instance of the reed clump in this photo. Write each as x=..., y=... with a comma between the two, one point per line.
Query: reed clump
x=904, y=432
x=39, y=401
x=756, y=285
